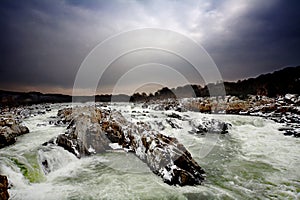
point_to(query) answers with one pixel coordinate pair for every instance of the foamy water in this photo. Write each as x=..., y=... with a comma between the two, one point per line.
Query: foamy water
x=254, y=160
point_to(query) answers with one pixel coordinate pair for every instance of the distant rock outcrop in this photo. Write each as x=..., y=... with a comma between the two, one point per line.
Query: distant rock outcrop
x=282, y=109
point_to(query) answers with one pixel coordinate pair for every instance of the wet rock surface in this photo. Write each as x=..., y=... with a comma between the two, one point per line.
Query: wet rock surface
x=23, y=112
x=84, y=135
x=282, y=109
x=3, y=188
x=205, y=125
x=11, y=121
x=91, y=130
x=9, y=130
x=201, y=126
x=164, y=155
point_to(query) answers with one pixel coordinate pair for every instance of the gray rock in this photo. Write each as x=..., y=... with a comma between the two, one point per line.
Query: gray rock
x=10, y=129
x=84, y=134
x=92, y=129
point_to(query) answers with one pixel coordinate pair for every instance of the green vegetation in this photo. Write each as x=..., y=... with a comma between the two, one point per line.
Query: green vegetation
x=30, y=170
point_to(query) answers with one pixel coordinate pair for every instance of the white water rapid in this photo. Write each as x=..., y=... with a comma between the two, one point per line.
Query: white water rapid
x=253, y=161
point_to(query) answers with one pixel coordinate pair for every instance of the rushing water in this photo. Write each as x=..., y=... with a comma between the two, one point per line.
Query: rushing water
x=253, y=161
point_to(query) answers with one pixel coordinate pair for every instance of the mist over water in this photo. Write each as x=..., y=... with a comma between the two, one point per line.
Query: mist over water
x=253, y=161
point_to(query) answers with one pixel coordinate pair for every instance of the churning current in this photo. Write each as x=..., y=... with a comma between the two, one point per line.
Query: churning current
x=253, y=161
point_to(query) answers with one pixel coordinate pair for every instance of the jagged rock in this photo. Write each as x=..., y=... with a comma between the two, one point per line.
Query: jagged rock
x=164, y=155
x=173, y=124
x=3, y=188
x=84, y=134
x=205, y=125
x=9, y=130
x=283, y=109
x=94, y=128
x=174, y=115
x=294, y=132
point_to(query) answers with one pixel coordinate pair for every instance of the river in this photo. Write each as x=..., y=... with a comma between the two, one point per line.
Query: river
x=253, y=161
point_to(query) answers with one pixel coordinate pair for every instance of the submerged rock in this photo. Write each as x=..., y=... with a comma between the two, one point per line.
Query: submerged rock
x=3, y=188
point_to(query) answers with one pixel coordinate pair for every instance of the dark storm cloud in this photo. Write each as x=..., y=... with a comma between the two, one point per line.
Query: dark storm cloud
x=43, y=42
x=31, y=45
x=265, y=38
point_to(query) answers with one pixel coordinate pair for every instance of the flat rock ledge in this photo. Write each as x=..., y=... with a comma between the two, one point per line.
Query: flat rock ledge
x=91, y=130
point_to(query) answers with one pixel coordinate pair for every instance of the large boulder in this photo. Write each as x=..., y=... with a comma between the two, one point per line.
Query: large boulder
x=84, y=134
x=3, y=188
x=92, y=129
x=9, y=130
x=164, y=155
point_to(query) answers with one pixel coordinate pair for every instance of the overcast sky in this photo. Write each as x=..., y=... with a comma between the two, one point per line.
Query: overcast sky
x=44, y=42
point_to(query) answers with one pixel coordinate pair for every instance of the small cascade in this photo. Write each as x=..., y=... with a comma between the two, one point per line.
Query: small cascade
x=52, y=158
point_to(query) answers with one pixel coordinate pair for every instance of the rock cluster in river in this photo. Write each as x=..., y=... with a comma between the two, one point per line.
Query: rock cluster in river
x=282, y=109
x=91, y=130
x=11, y=121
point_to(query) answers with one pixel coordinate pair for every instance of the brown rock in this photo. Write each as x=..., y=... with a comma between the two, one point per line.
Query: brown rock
x=3, y=188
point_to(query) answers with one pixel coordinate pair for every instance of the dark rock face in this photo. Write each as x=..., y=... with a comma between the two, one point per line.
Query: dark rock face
x=3, y=188
x=9, y=130
x=164, y=155
x=84, y=134
x=92, y=129
x=199, y=126
x=206, y=125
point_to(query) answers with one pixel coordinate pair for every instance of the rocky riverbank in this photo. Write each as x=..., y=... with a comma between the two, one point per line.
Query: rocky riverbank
x=11, y=121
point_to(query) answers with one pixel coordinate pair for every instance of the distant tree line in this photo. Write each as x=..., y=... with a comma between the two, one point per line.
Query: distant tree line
x=273, y=84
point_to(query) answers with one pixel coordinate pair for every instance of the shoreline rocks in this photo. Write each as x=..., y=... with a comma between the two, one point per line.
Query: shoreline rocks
x=11, y=119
